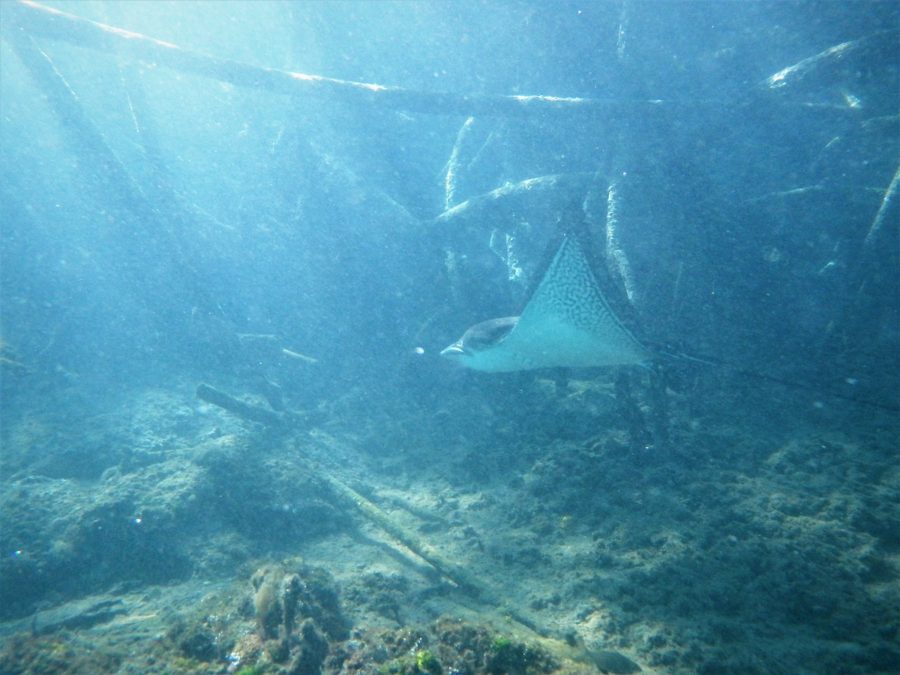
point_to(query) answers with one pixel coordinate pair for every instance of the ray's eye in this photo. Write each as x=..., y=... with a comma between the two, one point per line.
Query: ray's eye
x=475, y=342
x=486, y=334
x=497, y=333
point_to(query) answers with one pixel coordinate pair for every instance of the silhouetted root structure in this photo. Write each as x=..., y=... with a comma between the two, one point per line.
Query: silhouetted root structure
x=41, y=21
x=150, y=209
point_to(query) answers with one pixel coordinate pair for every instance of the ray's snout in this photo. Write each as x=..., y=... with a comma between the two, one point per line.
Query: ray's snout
x=454, y=350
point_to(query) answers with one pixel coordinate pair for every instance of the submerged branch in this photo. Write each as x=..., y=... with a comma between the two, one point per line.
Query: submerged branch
x=798, y=71
x=46, y=22
x=453, y=164
x=510, y=192
x=887, y=201
x=237, y=407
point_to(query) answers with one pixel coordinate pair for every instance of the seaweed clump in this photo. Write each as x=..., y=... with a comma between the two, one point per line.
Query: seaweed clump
x=57, y=654
x=448, y=646
x=296, y=615
x=508, y=656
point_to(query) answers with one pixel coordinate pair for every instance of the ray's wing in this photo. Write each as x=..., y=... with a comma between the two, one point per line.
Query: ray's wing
x=567, y=322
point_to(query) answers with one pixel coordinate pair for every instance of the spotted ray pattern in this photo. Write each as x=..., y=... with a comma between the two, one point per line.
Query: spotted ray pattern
x=567, y=323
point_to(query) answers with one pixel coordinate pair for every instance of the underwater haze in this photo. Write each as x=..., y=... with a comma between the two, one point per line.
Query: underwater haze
x=259, y=414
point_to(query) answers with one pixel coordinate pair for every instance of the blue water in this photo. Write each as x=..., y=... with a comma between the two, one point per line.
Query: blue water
x=258, y=236
x=736, y=163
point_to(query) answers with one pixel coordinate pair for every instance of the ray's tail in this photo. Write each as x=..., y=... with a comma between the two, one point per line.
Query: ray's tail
x=822, y=389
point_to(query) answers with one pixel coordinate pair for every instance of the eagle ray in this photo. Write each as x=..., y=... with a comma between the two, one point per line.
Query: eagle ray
x=567, y=323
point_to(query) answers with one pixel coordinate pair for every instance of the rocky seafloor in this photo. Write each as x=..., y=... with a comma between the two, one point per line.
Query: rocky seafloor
x=159, y=534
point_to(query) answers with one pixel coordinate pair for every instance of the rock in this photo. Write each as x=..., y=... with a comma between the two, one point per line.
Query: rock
x=197, y=642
